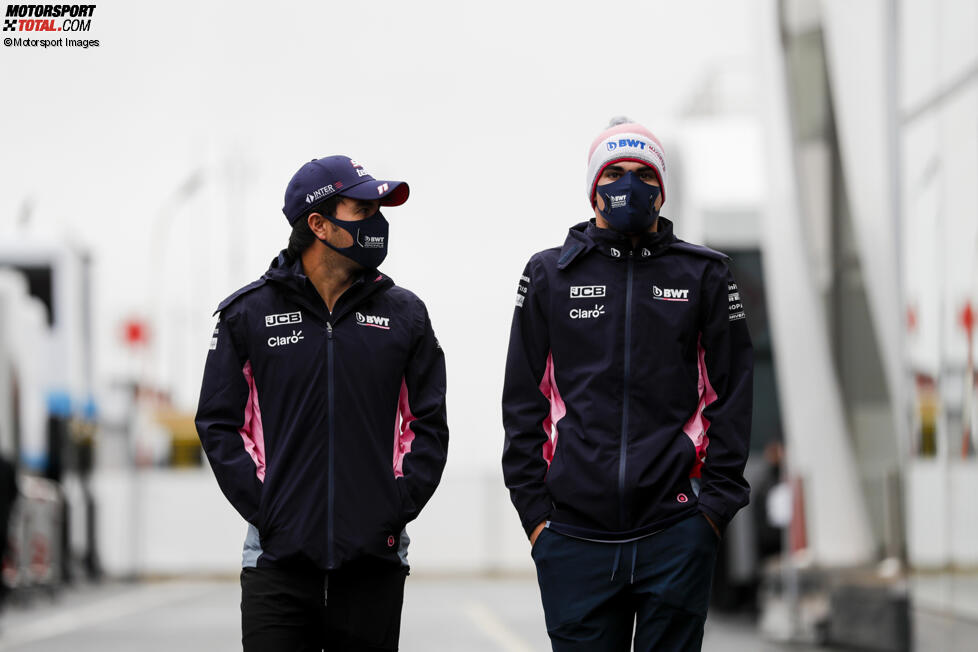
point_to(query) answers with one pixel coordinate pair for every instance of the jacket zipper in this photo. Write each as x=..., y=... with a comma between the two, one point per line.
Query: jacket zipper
x=623, y=452
x=330, y=556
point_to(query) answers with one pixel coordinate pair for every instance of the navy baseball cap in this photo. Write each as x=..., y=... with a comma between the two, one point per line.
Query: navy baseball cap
x=322, y=178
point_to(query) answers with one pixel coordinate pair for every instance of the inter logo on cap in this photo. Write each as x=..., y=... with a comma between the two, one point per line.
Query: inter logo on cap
x=315, y=196
x=326, y=177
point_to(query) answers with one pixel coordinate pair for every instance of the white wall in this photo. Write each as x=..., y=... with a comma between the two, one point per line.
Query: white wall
x=938, y=167
x=161, y=521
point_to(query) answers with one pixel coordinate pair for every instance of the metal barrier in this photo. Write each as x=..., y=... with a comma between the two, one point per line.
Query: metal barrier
x=36, y=535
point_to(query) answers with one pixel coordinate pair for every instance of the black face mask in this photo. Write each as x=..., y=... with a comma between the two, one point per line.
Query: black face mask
x=369, y=247
x=629, y=204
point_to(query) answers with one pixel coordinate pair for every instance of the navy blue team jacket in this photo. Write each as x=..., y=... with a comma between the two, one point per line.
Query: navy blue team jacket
x=628, y=379
x=327, y=432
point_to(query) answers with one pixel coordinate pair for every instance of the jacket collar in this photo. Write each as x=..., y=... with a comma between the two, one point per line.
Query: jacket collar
x=291, y=277
x=583, y=237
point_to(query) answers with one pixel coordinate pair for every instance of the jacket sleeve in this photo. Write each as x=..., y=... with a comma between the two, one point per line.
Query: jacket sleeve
x=225, y=423
x=727, y=354
x=422, y=442
x=525, y=407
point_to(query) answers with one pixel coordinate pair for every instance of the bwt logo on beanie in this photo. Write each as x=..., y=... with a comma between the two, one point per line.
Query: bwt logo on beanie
x=625, y=141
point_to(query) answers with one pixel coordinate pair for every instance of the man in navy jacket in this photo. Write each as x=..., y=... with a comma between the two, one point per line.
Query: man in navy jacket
x=322, y=413
x=627, y=412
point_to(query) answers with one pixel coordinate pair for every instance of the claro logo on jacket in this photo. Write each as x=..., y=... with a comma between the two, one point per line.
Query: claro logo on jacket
x=587, y=313
x=284, y=340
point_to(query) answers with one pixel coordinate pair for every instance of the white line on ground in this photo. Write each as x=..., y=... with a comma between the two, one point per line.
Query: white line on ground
x=67, y=620
x=494, y=628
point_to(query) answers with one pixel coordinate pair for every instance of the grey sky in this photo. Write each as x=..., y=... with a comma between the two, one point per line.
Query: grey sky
x=486, y=109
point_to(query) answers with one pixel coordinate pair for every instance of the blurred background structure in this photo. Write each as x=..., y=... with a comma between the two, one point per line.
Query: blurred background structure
x=829, y=147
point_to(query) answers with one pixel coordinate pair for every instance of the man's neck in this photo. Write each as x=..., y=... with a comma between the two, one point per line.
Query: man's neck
x=602, y=223
x=330, y=273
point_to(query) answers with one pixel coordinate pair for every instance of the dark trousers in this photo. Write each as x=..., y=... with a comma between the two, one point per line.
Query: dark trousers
x=356, y=608
x=596, y=594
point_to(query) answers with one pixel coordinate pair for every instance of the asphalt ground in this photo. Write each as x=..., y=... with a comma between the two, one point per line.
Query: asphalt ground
x=440, y=614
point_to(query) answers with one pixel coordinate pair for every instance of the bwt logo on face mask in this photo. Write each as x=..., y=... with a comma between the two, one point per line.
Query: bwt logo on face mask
x=669, y=294
x=371, y=242
x=374, y=321
x=626, y=142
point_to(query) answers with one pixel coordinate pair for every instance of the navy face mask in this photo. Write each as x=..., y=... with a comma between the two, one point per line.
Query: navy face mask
x=629, y=204
x=369, y=247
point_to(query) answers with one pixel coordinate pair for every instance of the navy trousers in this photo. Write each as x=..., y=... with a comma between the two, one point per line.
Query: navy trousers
x=596, y=594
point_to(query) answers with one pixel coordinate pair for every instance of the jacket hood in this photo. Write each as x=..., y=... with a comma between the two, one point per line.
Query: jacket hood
x=291, y=275
x=286, y=272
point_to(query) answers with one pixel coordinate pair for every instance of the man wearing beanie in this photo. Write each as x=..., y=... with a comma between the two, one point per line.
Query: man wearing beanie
x=322, y=413
x=627, y=412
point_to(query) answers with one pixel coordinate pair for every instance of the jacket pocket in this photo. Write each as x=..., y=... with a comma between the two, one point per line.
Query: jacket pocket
x=405, y=506
x=261, y=518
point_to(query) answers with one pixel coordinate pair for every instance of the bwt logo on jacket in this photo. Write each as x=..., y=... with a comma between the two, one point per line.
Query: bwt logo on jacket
x=286, y=339
x=586, y=291
x=593, y=313
x=283, y=318
x=374, y=321
x=669, y=294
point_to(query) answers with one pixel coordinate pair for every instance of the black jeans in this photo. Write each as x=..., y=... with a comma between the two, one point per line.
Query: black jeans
x=356, y=608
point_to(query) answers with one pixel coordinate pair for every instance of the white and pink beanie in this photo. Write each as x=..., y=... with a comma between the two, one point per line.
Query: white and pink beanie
x=629, y=141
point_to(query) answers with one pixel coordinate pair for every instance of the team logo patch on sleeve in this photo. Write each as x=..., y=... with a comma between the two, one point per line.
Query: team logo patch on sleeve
x=521, y=290
x=734, y=303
